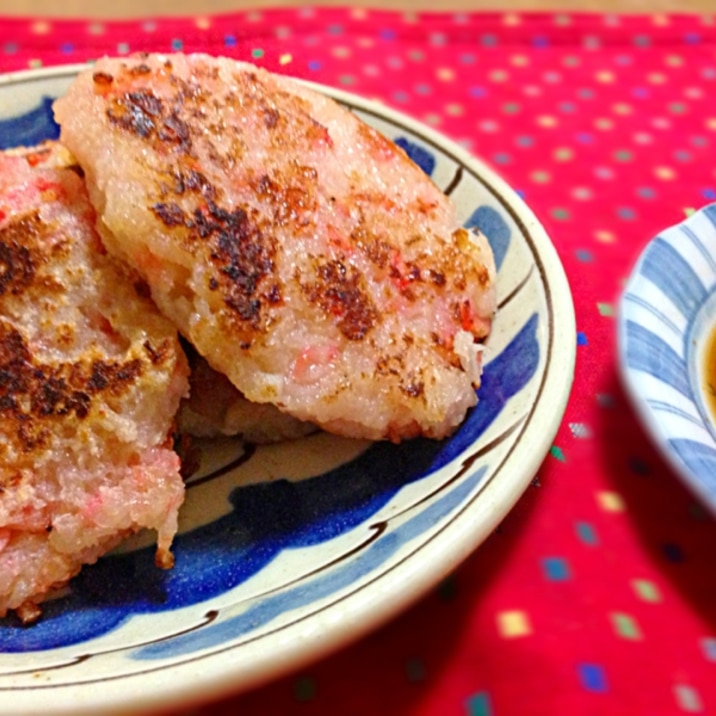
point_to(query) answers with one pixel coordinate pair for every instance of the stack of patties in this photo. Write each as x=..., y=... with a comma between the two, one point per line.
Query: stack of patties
x=317, y=276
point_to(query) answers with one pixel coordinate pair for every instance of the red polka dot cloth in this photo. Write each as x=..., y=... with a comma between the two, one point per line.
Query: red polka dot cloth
x=597, y=595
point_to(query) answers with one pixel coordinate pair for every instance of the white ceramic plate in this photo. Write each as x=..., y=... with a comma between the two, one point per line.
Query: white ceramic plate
x=667, y=314
x=289, y=552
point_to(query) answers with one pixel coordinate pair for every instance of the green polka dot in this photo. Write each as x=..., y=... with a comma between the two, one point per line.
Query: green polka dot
x=511, y=108
x=571, y=61
x=540, y=177
x=34, y=63
x=646, y=590
x=122, y=48
x=557, y=453
x=623, y=155
x=257, y=52
x=605, y=309
x=626, y=627
x=415, y=670
x=433, y=119
x=561, y=214
x=562, y=20
x=417, y=55
x=347, y=79
x=304, y=689
x=674, y=61
x=677, y=108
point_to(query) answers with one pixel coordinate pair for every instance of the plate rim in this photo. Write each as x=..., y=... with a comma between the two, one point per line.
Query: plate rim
x=463, y=535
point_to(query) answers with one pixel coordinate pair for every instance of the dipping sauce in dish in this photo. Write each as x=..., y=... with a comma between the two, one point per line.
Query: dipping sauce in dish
x=710, y=373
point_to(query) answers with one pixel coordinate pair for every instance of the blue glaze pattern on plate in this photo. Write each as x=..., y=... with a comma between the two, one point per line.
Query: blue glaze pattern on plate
x=30, y=128
x=288, y=551
x=666, y=317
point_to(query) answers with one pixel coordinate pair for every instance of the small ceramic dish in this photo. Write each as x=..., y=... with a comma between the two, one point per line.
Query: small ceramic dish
x=287, y=552
x=666, y=321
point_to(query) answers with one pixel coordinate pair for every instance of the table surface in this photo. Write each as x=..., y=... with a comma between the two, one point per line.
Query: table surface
x=134, y=8
x=598, y=593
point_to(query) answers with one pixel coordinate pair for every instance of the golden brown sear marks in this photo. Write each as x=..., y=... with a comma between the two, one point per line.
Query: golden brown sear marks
x=338, y=289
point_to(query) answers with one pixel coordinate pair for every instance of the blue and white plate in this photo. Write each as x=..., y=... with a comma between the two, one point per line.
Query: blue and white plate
x=288, y=552
x=667, y=315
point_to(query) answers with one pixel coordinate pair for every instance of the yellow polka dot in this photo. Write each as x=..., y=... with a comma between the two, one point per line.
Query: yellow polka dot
x=410, y=17
x=660, y=20
x=563, y=154
x=604, y=237
x=455, y=110
x=445, y=74
x=511, y=19
x=499, y=76
x=622, y=109
x=610, y=501
x=711, y=124
x=656, y=78
x=34, y=63
x=643, y=138
x=433, y=119
x=285, y=59
x=604, y=77
x=40, y=28
x=341, y=52
x=547, y=121
x=203, y=23
x=604, y=124
x=96, y=28
x=359, y=13
x=513, y=624
x=665, y=173
x=519, y=60
x=674, y=61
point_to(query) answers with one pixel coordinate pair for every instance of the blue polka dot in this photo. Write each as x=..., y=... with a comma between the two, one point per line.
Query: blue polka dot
x=387, y=34
x=524, y=141
x=67, y=48
x=315, y=65
x=502, y=158
x=540, y=41
x=423, y=89
x=692, y=38
x=586, y=533
x=699, y=141
x=521, y=193
x=682, y=156
x=567, y=107
x=401, y=96
x=585, y=93
x=640, y=93
x=478, y=92
x=584, y=255
x=626, y=213
x=467, y=58
x=10, y=48
x=673, y=553
x=489, y=40
x=642, y=40
x=624, y=60
x=585, y=138
x=646, y=192
x=709, y=194
x=593, y=678
x=582, y=339
x=230, y=41
x=556, y=569
x=177, y=44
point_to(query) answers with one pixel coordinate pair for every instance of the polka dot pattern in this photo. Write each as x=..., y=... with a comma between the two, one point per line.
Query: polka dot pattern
x=597, y=594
